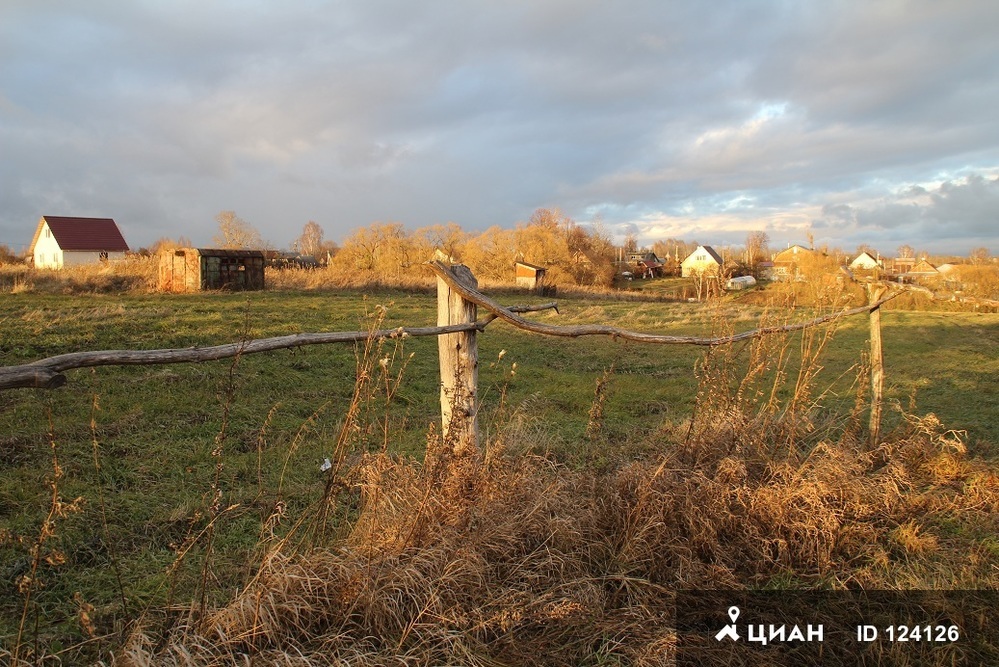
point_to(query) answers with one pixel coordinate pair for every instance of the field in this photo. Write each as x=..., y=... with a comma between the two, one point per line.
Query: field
x=141, y=507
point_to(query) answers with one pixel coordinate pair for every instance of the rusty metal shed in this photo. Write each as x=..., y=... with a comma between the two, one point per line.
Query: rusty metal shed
x=193, y=269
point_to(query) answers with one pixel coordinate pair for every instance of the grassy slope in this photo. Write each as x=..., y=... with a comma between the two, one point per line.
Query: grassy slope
x=156, y=427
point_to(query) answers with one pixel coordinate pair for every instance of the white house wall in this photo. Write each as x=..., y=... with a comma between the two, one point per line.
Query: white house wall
x=48, y=254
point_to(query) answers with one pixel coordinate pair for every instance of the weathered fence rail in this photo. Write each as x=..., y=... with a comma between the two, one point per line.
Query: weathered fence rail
x=458, y=324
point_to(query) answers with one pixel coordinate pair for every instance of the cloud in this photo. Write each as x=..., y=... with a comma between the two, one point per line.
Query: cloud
x=665, y=117
x=950, y=216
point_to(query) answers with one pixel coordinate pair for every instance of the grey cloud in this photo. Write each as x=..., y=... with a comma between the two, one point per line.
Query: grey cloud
x=425, y=112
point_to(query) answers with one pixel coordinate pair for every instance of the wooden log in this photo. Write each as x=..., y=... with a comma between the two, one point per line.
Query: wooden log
x=875, y=293
x=459, y=363
x=47, y=373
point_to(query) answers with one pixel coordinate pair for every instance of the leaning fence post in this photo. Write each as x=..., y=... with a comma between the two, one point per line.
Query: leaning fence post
x=875, y=292
x=459, y=364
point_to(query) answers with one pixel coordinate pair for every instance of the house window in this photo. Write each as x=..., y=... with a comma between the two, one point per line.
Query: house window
x=48, y=233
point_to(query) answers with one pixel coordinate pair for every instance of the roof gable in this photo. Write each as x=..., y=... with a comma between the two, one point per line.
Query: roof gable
x=530, y=266
x=865, y=259
x=791, y=253
x=923, y=266
x=701, y=249
x=90, y=234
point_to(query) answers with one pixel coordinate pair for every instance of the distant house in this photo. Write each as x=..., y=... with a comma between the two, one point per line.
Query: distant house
x=865, y=261
x=193, y=269
x=787, y=263
x=530, y=276
x=765, y=270
x=704, y=260
x=635, y=257
x=61, y=241
x=647, y=264
x=923, y=269
x=900, y=265
x=278, y=259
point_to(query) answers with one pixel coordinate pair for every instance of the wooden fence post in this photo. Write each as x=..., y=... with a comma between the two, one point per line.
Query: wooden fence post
x=875, y=292
x=459, y=364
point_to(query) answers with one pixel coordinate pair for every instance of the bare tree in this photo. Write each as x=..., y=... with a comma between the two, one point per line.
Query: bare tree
x=905, y=251
x=631, y=242
x=311, y=240
x=236, y=233
x=865, y=247
x=7, y=255
x=757, y=243
x=979, y=256
x=447, y=238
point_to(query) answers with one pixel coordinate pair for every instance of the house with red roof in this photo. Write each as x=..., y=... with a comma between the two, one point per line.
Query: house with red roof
x=61, y=241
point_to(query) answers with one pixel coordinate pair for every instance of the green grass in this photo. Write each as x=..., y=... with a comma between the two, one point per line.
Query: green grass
x=156, y=427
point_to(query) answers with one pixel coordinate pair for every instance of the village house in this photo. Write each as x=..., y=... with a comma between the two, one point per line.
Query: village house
x=865, y=261
x=922, y=270
x=787, y=263
x=63, y=241
x=899, y=266
x=639, y=256
x=703, y=261
x=646, y=264
x=764, y=270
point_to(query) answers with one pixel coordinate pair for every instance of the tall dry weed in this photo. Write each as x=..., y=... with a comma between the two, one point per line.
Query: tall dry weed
x=131, y=274
x=522, y=561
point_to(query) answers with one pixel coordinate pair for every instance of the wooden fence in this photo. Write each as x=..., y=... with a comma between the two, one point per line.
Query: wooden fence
x=458, y=323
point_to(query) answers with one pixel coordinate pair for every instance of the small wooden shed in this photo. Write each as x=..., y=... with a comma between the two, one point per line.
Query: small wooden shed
x=193, y=269
x=530, y=275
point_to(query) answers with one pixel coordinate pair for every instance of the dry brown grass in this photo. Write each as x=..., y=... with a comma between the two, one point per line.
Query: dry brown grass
x=512, y=559
x=132, y=274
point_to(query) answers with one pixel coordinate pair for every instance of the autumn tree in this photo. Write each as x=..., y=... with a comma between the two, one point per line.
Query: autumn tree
x=167, y=243
x=382, y=248
x=491, y=254
x=569, y=252
x=236, y=233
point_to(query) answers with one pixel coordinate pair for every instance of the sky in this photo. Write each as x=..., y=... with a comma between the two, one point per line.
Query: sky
x=844, y=122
